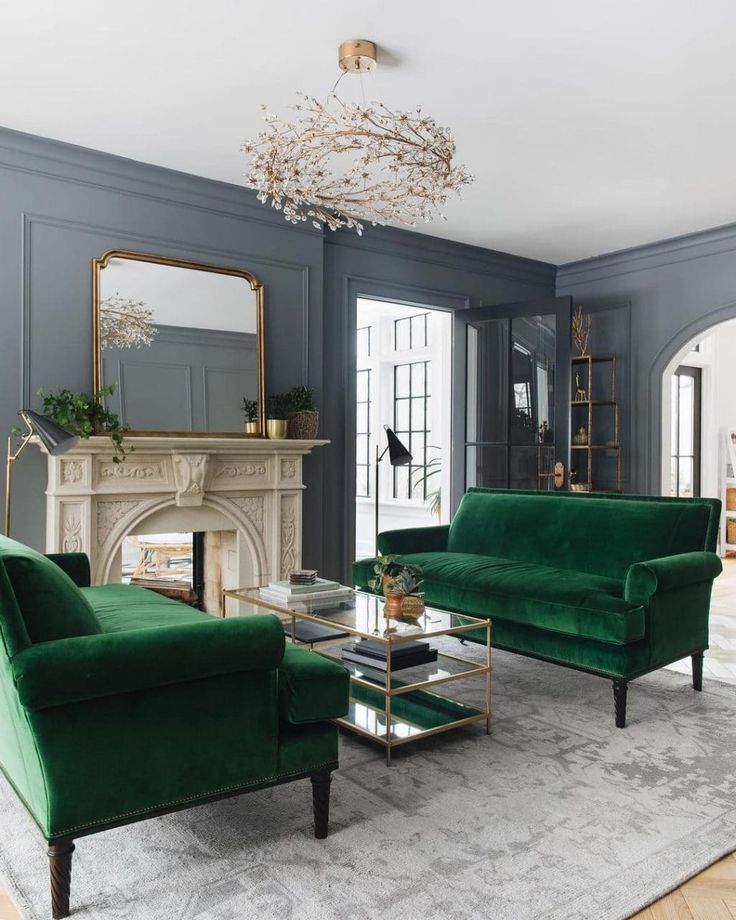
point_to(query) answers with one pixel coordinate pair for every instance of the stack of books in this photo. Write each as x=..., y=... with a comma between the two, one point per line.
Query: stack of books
x=285, y=593
x=303, y=577
x=372, y=654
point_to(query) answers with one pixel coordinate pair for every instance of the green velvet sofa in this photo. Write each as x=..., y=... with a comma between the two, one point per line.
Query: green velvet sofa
x=119, y=704
x=617, y=586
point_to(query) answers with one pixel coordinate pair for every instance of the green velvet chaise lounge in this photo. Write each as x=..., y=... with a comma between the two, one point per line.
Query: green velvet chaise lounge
x=613, y=585
x=118, y=704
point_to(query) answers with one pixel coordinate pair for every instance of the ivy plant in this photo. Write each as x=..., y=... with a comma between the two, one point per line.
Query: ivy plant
x=85, y=415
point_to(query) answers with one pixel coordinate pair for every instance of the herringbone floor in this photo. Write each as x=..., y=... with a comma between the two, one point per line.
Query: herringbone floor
x=712, y=894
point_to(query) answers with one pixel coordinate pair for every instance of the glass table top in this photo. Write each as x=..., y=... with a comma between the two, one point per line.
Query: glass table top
x=362, y=614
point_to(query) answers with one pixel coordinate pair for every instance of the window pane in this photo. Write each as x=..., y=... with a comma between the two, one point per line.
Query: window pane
x=401, y=482
x=402, y=377
x=673, y=477
x=417, y=414
x=417, y=378
x=687, y=414
x=361, y=421
x=402, y=415
x=686, y=477
x=675, y=411
x=361, y=481
x=402, y=334
x=362, y=386
x=364, y=343
x=361, y=448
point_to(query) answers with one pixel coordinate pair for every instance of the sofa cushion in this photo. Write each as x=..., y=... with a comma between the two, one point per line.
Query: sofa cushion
x=119, y=608
x=311, y=687
x=599, y=536
x=572, y=603
x=51, y=605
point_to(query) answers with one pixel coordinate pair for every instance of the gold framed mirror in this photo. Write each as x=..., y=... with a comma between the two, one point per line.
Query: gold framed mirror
x=182, y=342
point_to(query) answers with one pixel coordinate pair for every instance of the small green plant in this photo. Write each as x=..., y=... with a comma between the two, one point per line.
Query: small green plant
x=301, y=399
x=250, y=409
x=278, y=405
x=428, y=471
x=86, y=415
x=406, y=581
x=384, y=565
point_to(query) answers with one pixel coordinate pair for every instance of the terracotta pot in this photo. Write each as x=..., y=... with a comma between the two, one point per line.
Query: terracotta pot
x=393, y=606
x=251, y=427
x=303, y=426
x=276, y=428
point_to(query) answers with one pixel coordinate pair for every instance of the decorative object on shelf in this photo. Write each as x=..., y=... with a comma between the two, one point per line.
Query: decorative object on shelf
x=55, y=439
x=576, y=486
x=277, y=413
x=303, y=577
x=600, y=412
x=303, y=414
x=339, y=164
x=398, y=455
x=545, y=434
x=581, y=331
x=250, y=411
x=731, y=531
x=125, y=323
x=559, y=474
x=727, y=463
x=86, y=415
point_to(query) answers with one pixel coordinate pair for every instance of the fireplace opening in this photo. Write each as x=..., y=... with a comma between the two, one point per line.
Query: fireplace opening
x=171, y=564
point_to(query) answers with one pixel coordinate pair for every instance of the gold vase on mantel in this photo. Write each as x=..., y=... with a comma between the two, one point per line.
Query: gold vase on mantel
x=276, y=428
x=251, y=427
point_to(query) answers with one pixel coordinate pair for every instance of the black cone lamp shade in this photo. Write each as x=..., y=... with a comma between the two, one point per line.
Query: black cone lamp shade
x=398, y=455
x=55, y=439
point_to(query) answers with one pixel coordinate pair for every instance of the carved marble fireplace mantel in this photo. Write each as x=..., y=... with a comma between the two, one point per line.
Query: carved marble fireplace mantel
x=252, y=487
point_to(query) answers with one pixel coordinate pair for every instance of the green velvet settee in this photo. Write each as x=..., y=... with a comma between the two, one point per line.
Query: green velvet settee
x=118, y=704
x=617, y=586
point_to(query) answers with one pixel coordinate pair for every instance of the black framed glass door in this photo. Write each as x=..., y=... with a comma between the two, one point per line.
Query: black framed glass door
x=686, y=438
x=517, y=412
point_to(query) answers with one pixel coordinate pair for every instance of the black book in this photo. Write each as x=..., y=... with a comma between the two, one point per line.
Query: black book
x=380, y=664
x=312, y=632
x=398, y=650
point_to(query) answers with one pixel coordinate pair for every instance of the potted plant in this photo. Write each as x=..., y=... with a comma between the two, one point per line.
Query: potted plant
x=250, y=411
x=399, y=583
x=277, y=414
x=303, y=413
x=86, y=415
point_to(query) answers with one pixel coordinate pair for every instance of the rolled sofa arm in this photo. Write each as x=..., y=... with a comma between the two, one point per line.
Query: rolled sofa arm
x=644, y=579
x=414, y=540
x=65, y=671
x=75, y=565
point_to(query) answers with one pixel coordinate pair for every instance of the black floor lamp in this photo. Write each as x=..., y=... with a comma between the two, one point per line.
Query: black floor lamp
x=398, y=455
x=55, y=439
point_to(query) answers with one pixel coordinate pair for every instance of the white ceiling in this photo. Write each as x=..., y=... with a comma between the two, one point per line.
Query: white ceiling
x=590, y=125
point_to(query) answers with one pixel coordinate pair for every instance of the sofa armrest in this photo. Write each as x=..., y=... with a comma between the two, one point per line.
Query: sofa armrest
x=66, y=671
x=75, y=565
x=645, y=579
x=414, y=540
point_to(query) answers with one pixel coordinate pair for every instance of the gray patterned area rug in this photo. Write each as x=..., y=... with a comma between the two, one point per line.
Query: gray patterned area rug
x=556, y=815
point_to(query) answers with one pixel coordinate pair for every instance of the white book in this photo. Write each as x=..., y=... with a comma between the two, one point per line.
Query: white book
x=286, y=589
x=333, y=596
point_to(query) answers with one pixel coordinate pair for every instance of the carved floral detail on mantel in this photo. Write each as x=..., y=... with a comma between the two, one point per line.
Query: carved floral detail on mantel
x=288, y=469
x=252, y=507
x=71, y=529
x=129, y=470
x=111, y=513
x=72, y=471
x=238, y=470
x=288, y=536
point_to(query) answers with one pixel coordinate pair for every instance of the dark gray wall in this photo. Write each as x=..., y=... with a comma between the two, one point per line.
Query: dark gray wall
x=647, y=303
x=64, y=205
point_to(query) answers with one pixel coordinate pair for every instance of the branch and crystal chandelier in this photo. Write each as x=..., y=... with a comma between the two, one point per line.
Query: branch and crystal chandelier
x=125, y=323
x=342, y=164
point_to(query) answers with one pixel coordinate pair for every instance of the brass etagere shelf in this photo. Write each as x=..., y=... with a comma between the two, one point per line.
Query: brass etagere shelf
x=587, y=450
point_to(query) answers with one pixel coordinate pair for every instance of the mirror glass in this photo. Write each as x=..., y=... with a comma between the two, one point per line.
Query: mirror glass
x=181, y=341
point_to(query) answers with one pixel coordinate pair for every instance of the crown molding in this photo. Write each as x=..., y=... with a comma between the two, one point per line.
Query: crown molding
x=698, y=245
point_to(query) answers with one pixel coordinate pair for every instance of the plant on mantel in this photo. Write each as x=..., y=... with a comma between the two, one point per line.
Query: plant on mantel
x=86, y=415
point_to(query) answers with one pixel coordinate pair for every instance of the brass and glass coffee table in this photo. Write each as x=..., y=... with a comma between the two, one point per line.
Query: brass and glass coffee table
x=390, y=708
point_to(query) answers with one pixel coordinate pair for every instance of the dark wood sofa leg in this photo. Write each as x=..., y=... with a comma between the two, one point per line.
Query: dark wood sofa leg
x=60, y=864
x=619, y=701
x=321, y=803
x=697, y=660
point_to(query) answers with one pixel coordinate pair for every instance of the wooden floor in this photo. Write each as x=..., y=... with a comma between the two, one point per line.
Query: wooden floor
x=712, y=894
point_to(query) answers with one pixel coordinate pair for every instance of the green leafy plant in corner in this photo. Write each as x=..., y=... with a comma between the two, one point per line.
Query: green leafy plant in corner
x=301, y=399
x=86, y=415
x=250, y=410
x=427, y=472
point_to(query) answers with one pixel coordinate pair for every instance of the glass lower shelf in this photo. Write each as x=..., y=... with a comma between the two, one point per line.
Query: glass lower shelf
x=412, y=714
x=440, y=671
